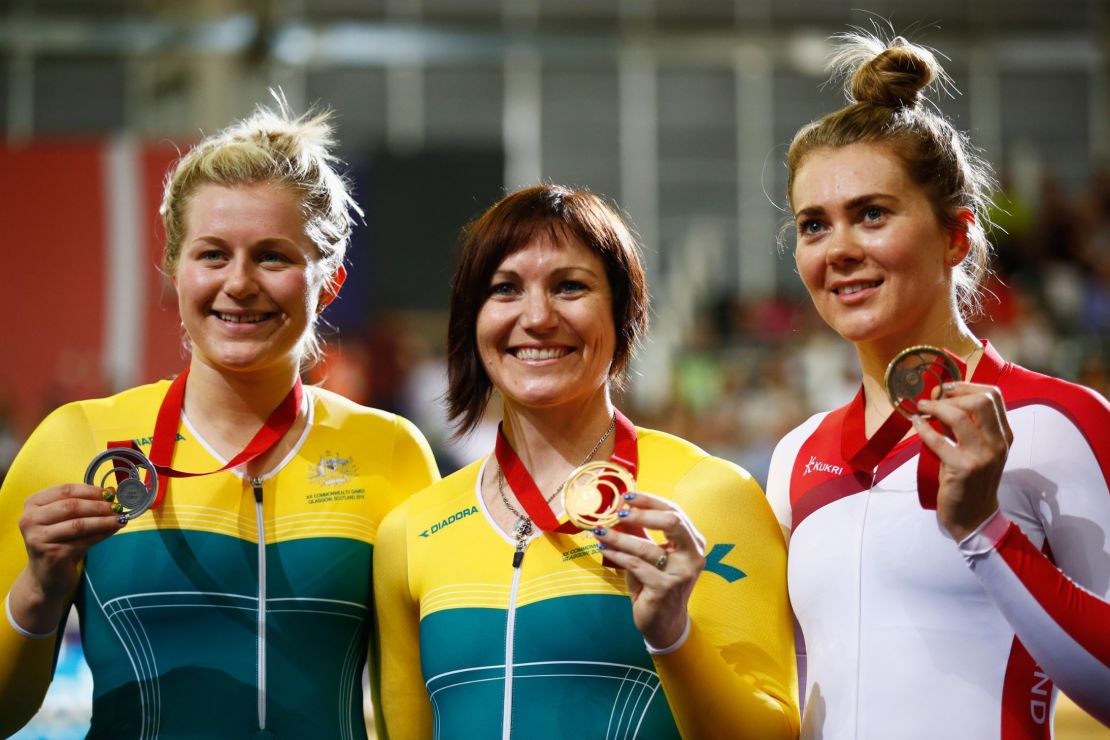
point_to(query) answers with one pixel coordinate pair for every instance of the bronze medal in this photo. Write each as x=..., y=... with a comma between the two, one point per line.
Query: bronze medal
x=915, y=373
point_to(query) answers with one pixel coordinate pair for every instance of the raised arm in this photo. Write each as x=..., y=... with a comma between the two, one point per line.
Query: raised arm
x=731, y=673
x=47, y=524
x=1057, y=488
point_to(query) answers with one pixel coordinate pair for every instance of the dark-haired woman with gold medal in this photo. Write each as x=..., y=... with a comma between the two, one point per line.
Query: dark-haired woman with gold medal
x=500, y=618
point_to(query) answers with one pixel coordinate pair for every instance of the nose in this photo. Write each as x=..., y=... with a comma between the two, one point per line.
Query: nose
x=842, y=249
x=537, y=311
x=239, y=280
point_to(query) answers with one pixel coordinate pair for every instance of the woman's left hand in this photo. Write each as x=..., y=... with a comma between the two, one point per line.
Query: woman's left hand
x=972, y=458
x=660, y=576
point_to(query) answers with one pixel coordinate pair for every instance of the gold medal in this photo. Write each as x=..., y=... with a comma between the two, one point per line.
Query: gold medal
x=592, y=494
x=915, y=372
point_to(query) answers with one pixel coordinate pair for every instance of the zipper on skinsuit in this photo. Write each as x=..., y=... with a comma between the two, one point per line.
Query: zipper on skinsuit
x=510, y=632
x=256, y=485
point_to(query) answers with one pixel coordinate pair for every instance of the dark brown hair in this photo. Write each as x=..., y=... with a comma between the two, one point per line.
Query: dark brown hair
x=884, y=82
x=507, y=227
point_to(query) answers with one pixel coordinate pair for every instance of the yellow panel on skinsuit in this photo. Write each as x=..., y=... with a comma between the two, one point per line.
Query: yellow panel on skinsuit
x=1072, y=723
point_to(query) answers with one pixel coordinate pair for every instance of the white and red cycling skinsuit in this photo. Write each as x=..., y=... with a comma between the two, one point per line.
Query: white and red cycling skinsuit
x=908, y=635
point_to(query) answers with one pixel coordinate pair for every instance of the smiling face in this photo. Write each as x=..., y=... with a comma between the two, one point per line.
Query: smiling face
x=871, y=252
x=249, y=279
x=545, y=333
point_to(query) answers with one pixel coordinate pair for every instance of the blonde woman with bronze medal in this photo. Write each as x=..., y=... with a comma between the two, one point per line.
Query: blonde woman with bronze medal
x=218, y=550
x=499, y=614
x=949, y=528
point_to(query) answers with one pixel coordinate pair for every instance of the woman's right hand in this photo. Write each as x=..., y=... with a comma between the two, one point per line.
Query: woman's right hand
x=660, y=576
x=59, y=525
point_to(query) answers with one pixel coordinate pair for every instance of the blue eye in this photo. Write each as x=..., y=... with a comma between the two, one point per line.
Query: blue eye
x=872, y=213
x=809, y=227
x=502, y=289
x=571, y=286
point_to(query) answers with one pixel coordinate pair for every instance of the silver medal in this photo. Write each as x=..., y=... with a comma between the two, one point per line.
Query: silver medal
x=132, y=495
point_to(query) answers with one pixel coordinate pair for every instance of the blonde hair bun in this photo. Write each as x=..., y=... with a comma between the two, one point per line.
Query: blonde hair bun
x=891, y=74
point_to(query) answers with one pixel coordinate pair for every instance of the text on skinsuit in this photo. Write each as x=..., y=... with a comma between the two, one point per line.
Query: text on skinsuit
x=816, y=466
x=449, y=520
x=1038, y=708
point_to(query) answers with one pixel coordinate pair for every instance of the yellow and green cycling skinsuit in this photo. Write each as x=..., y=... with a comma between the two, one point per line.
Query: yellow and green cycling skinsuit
x=169, y=606
x=475, y=648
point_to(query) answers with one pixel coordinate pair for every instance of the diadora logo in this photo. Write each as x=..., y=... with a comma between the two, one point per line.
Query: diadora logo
x=448, y=521
x=816, y=466
x=332, y=470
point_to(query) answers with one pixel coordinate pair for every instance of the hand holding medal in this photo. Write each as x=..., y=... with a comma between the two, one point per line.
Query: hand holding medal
x=961, y=425
x=660, y=575
x=132, y=495
x=912, y=378
x=965, y=437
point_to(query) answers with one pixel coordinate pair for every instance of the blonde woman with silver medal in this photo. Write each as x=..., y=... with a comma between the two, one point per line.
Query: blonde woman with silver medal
x=237, y=601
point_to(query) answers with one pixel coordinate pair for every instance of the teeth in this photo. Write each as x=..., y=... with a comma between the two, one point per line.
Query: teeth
x=849, y=289
x=251, y=318
x=535, y=353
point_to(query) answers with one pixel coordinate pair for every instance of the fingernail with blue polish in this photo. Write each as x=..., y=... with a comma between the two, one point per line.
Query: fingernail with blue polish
x=602, y=546
x=600, y=531
x=629, y=496
x=123, y=519
x=622, y=513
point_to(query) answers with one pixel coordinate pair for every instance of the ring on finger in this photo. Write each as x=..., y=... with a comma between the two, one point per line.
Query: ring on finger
x=661, y=563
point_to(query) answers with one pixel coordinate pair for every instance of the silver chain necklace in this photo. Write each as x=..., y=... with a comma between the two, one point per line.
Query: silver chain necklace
x=524, y=526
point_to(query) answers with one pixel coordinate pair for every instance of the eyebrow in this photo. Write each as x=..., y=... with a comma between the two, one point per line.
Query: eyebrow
x=852, y=204
x=264, y=243
x=558, y=271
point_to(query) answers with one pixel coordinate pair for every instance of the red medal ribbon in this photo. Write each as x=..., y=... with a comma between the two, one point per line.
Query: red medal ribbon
x=625, y=453
x=275, y=427
x=863, y=453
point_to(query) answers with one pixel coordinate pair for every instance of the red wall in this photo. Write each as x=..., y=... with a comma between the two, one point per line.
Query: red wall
x=52, y=303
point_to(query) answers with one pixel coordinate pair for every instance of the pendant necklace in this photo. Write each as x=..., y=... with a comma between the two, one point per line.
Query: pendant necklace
x=524, y=526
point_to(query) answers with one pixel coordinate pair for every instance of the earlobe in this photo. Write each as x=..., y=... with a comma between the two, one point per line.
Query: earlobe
x=960, y=242
x=331, y=289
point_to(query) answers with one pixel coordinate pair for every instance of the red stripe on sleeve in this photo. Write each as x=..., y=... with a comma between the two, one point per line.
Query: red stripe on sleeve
x=1081, y=614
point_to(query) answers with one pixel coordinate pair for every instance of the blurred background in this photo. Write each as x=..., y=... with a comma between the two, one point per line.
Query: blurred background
x=680, y=111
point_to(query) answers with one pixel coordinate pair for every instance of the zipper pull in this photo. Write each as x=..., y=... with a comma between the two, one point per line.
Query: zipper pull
x=256, y=484
x=518, y=554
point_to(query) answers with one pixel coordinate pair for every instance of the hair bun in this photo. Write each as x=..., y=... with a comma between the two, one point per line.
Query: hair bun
x=888, y=73
x=895, y=77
